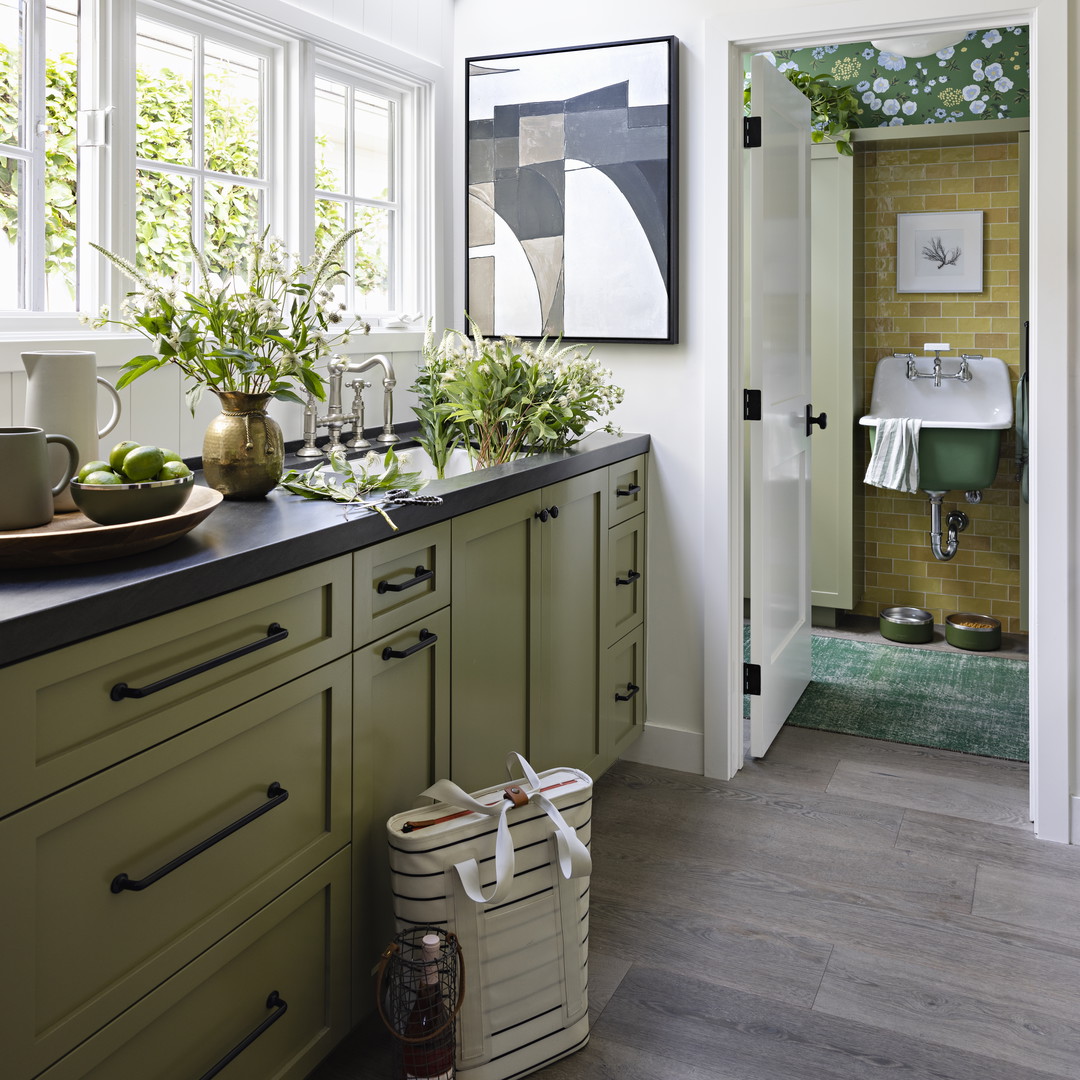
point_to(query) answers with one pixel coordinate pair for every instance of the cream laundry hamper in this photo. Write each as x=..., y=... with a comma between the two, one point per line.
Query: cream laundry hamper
x=507, y=870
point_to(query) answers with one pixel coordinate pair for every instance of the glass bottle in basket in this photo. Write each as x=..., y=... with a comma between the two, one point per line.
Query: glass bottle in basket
x=429, y=1052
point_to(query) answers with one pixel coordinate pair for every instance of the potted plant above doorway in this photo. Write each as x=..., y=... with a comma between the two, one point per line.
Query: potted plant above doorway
x=832, y=108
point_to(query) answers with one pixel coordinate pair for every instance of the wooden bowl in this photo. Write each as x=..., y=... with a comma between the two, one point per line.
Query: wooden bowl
x=73, y=538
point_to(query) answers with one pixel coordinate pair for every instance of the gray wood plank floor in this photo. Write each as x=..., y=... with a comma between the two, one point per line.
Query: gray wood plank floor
x=843, y=908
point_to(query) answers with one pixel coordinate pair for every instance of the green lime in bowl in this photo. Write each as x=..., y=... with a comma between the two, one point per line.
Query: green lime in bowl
x=114, y=503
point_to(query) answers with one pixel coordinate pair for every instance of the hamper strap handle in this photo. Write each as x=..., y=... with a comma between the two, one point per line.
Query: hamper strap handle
x=574, y=858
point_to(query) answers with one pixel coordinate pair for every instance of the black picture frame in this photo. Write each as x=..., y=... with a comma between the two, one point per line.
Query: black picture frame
x=571, y=192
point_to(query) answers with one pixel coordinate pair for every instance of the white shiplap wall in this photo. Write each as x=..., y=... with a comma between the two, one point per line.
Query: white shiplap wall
x=153, y=409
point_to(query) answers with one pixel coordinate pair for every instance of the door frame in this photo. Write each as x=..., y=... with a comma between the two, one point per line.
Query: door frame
x=1052, y=691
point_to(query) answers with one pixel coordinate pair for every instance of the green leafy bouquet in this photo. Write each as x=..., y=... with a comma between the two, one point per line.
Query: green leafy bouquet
x=259, y=330
x=500, y=398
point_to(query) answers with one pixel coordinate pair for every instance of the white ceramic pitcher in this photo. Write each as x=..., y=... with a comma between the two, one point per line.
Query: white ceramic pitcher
x=61, y=396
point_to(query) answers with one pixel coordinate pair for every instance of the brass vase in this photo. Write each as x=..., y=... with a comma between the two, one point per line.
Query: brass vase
x=243, y=448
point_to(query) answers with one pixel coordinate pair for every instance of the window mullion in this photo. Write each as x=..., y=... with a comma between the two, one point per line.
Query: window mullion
x=210, y=174
x=32, y=221
x=198, y=143
x=106, y=189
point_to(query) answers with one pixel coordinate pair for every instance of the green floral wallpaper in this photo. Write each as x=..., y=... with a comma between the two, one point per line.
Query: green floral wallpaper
x=984, y=77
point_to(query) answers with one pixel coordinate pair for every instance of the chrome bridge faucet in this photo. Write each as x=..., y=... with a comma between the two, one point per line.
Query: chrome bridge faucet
x=336, y=419
x=963, y=373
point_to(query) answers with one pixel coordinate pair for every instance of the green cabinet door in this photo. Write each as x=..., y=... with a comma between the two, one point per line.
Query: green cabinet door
x=527, y=575
x=564, y=728
x=495, y=625
x=401, y=744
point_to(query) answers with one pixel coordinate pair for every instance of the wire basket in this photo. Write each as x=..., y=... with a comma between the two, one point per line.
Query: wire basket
x=419, y=997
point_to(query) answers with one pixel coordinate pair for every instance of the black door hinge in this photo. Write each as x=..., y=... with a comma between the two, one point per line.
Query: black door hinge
x=751, y=405
x=751, y=679
x=751, y=132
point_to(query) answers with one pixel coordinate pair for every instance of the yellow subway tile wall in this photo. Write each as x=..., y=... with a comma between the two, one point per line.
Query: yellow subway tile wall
x=984, y=575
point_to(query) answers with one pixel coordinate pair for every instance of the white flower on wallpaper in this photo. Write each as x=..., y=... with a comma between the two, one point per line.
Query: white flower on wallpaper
x=983, y=77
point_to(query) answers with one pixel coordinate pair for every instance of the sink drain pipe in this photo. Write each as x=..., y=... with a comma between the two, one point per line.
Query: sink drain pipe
x=956, y=521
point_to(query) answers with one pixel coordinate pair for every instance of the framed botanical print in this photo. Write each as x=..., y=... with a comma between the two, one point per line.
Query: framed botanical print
x=939, y=252
x=571, y=220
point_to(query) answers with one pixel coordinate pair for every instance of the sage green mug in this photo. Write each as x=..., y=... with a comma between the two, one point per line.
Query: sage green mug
x=26, y=497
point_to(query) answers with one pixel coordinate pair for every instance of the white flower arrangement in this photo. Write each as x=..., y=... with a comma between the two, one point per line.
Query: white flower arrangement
x=259, y=333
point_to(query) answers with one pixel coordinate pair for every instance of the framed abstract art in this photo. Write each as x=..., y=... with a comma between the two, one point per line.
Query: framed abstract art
x=571, y=215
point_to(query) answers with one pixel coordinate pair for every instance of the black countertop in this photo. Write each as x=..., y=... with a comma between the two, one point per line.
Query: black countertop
x=242, y=543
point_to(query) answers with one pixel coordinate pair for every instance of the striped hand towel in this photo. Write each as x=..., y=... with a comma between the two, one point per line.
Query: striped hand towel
x=895, y=460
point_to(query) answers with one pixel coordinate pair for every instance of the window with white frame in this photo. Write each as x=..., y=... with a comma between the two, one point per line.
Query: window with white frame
x=187, y=122
x=202, y=144
x=38, y=174
x=356, y=140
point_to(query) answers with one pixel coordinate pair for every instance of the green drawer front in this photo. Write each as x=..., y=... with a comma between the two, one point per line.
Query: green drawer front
x=622, y=707
x=65, y=725
x=627, y=488
x=297, y=946
x=78, y=953
x=413, y=574
x=401, y=745
x=625, y=588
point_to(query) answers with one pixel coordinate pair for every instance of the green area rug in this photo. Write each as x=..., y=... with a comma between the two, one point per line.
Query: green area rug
x=970, y=702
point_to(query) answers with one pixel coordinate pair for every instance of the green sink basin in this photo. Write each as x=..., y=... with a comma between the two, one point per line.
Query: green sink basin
x=956, y=459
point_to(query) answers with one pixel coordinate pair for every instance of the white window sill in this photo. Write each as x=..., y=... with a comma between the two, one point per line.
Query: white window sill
x=113, y=350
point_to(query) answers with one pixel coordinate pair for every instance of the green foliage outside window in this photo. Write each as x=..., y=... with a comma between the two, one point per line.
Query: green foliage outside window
x=163, y=134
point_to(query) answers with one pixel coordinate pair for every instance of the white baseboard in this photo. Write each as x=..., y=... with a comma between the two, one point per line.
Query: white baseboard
x=669, y=748
x=1074, y=819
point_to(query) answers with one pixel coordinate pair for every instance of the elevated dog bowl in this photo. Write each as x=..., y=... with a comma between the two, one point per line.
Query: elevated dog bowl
x=980, y=633
x=908, y=625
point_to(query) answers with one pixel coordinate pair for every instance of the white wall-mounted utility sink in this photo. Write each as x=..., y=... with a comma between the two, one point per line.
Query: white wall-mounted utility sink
x=962, y=420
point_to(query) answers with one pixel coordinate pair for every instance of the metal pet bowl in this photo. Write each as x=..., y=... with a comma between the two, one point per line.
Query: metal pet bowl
x=908, y=625
x=980, y=633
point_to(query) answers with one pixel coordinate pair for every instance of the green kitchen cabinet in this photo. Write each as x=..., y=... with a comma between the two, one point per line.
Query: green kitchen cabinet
x=281, y=976
x=574, y=561
x=81, y=709
x=401, y=745
x=119, y=881
x=627, y=489
x=622, y=697
x=350, y=684
x=400, y=580
x=495, y=625
x=529, y=576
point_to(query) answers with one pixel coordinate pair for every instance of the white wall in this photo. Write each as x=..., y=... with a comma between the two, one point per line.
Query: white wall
x=669, y=388
x=663, y=382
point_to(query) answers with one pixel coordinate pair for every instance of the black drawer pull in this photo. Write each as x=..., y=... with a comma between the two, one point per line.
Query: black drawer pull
x=422, y=574
x=631, y=690
x=631, y=577
x=547, y=512
x=272, y=1002
x=630, y=489
x=274, y=633
x=275, y=795
x=426, y=638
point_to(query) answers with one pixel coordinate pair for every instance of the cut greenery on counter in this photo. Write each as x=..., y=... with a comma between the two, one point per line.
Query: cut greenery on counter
x=353, y=482
x=501, y=398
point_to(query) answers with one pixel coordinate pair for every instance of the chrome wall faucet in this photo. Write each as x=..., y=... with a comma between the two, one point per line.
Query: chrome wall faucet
x=963, y=372
x=336, y=419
